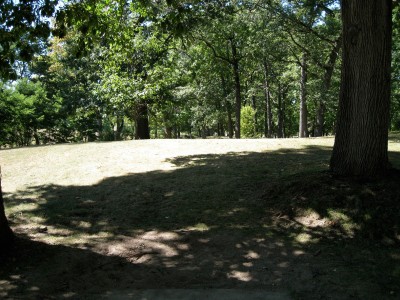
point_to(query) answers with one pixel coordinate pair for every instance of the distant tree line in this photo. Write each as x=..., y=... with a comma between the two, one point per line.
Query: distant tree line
x=124, y=70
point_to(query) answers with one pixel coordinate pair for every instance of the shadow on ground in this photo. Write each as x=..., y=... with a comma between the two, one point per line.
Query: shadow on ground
x=217, y=221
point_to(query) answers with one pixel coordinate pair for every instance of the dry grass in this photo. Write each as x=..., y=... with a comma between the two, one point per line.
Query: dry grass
x=226, y=209
x=30, y=176
x=87, y=164
x=105, y=178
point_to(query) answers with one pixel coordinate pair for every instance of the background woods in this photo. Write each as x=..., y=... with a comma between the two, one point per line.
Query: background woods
x=117, y=70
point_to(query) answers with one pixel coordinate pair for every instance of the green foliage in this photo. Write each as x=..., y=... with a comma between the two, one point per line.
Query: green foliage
x=395, y=105
x=247, y=122
x=111, y=58
x=28, y=113
x=23, y=31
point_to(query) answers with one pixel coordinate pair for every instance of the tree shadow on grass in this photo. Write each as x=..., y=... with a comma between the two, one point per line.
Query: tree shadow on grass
x=217, y=221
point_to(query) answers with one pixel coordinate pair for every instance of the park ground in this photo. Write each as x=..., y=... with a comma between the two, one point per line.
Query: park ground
x=92, y=219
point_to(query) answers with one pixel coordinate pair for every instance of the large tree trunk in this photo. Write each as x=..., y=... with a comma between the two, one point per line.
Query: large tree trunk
x=142, y=123
x=361, y=143
x=268, y=108
x=303, y=123
x=6, y=235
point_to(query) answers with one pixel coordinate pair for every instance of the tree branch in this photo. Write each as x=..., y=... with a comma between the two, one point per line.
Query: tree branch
x=215, y=53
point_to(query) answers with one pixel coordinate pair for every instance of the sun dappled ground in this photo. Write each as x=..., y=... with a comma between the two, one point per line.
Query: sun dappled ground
x=212, y=213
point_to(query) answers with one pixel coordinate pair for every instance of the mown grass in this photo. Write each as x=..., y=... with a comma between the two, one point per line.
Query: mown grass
x=238, y=194
x=72, y=186
x=133, y=186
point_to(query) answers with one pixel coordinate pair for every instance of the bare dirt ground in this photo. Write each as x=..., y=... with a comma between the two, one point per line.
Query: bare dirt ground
x=94, y=218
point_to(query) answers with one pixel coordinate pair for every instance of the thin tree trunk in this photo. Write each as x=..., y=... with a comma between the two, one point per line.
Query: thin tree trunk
x=118, y=127
x=326, y=85
x=228, y=107
x=303, y=123
x=168, y=132
x=6, y=234
x=254, y=106
x=268, y=108
x=320, y=119
x=280, y=112
x=230, y=122
x=142, y=123
x=238, y=99
x=155, y=126
x=36, y=137
x=221, y=129
x=220, y=125
x=283, y=112
x=99, y=134
x=361, y=143
x=203, y=132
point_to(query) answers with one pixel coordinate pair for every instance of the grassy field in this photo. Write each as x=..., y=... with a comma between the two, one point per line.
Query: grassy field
x=95, y=217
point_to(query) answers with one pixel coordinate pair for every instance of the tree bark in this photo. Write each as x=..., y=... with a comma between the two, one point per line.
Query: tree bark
x=361, y=143
x=303, y=123
x=142, y=123
x=6, y=234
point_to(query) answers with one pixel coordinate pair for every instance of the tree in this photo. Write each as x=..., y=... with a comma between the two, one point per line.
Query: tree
x=247, y=121
x=395, y=105
x=72, y=81
x=6, y=234
x=22, y=27
x=227, y=37
x=314, y=29
x=361, y=143
x=25, y=111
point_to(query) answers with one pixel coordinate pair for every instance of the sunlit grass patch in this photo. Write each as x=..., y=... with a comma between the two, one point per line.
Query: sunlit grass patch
x=348, y=224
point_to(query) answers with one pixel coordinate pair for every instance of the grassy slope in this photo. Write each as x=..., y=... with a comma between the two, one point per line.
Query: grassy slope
x=102, y=196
